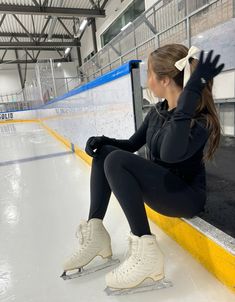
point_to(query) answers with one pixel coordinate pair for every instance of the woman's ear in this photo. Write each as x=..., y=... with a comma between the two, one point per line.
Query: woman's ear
x=166, y=81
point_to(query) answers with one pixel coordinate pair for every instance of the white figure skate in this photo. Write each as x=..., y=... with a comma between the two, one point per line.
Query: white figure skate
x=143, y=270
x=94, y=241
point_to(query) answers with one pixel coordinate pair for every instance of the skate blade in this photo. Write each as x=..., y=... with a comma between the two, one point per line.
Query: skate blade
x=144, y=287
x=82, y=272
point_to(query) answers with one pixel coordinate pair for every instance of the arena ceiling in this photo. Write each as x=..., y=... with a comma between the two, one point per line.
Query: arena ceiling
x=46, y=25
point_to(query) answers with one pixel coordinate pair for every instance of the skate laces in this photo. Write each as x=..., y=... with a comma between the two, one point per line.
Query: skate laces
x=132, y=246
x=82, y=231
x=128, y=251
x=130, y=256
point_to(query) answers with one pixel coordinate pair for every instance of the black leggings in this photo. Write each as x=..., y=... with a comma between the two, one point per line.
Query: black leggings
x=135, y=181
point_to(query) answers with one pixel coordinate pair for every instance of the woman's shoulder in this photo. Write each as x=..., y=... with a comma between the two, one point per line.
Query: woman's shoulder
x=201, y=119
x=149, y=111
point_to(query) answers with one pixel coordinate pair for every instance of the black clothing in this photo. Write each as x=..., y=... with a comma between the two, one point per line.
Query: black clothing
x=134, y=181
x=171, y=142
x=171, y=181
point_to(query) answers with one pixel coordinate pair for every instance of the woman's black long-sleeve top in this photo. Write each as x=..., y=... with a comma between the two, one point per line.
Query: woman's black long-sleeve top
x=171, y=142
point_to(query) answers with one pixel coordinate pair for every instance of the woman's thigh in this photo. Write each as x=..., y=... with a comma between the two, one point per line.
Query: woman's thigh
x=163, y=191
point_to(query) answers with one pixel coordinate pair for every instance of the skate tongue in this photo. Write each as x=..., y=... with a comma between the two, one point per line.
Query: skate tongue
x=149, y=236
x=132, y=244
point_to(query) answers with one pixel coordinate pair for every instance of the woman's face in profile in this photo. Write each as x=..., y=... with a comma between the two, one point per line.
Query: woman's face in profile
x=154, y=84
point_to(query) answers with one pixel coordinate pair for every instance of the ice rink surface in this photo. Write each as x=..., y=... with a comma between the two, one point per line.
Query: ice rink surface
x=44, y=194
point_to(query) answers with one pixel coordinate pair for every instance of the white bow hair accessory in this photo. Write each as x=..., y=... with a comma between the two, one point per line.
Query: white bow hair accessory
x=184, y=63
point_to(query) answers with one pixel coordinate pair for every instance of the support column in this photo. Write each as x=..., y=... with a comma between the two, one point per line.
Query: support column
x=79, y=55
x=19, y=71
x=93, y=30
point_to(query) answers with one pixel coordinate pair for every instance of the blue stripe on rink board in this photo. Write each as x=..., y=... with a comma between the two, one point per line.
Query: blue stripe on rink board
x=108, y=77
x=24, y=160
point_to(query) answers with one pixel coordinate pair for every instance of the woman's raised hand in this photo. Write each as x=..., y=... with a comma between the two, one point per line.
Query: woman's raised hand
x=205, y=70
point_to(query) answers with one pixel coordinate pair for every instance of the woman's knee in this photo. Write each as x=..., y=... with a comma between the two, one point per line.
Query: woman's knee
x=113, y=160
x=105, y=150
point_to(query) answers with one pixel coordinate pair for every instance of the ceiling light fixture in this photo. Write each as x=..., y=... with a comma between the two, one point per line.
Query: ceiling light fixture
x=83, y=24
x=67, y=50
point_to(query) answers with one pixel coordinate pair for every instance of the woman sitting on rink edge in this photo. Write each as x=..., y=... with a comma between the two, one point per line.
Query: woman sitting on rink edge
x=171, y=180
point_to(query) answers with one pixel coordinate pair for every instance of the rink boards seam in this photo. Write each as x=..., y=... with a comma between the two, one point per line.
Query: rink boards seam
x=218, y=259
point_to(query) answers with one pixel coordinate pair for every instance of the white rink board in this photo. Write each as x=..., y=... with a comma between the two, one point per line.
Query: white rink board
x=104, y=110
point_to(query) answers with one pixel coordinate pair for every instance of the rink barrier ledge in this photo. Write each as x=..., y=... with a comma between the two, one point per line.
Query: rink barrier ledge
x=214, y=249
